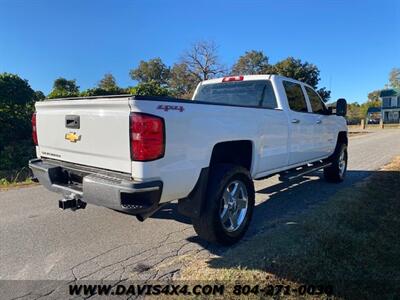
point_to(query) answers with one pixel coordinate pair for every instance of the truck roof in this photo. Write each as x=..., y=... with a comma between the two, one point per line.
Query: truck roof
x=251, y=77
x=245, y=77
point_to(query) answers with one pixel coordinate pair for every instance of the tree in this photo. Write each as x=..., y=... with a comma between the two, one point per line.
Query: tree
x=39, y=96
x=394, y=78
x=202, y=60
x=354, y=113
x=296, y=69
x=374, y=96
x=150, y=88
x=252, y=62
x=373, y=101
x=106, y=86
x=302, y=71
x=324, y=94
x=365, y=106
x=64, y=88
x=108, y=83
x=152, y=70
x=16, y=108
x=14, y=90
x=102, y=92
x=182, y=81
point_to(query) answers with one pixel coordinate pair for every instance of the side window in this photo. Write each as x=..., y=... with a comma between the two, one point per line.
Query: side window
x=295, y=96
x=269, y=100
x=316, y=104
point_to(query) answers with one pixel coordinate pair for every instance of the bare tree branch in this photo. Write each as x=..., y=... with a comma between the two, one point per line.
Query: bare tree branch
x=202, y=60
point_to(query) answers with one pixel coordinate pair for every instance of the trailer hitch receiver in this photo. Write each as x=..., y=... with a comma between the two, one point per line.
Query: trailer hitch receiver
x=71, y=202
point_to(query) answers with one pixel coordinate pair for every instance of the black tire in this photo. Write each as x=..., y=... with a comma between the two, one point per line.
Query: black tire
x=335, y=172
x=209, y=225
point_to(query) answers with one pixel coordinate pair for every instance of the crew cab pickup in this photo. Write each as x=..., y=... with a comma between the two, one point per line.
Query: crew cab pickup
x=136, y=153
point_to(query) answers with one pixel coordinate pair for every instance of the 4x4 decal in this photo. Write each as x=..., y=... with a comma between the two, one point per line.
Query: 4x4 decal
x=171, y=107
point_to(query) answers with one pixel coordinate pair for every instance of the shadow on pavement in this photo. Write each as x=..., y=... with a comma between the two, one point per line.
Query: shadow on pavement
x=170, y=212
x=285, y=198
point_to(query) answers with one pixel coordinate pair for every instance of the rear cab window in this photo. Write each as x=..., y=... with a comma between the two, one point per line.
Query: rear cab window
x=295, y=96
x=251, y=93
x=318, y=107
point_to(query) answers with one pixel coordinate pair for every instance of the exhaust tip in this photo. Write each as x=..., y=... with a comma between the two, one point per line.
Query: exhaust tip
x=140, y=218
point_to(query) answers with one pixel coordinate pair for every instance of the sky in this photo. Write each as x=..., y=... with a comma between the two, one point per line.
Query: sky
x=354, y=43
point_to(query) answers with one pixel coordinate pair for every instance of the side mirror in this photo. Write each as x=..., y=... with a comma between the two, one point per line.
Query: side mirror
x=341, y=107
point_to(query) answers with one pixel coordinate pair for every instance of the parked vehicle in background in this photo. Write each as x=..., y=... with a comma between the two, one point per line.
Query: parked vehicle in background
x=373, y=121
x=374, y=115
x=136, y=153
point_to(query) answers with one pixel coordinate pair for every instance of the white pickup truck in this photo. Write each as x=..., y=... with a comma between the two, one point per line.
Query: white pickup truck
x=136, y=153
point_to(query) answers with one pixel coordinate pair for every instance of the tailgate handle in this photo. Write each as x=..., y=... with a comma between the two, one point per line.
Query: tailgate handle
x=72, y=121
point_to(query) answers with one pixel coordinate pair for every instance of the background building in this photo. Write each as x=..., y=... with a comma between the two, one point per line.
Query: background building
x=390, y=105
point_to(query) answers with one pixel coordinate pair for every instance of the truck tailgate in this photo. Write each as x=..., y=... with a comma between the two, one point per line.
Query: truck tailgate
x=97, y=133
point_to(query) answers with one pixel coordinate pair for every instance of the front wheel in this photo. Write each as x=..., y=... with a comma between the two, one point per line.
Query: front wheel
x=337, y=170
x=229, y=205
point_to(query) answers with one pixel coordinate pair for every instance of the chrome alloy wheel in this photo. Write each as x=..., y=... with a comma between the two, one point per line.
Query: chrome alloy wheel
x=234, y=204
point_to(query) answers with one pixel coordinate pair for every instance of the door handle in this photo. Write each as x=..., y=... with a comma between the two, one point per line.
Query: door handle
x=319, y=122
x=295, y=121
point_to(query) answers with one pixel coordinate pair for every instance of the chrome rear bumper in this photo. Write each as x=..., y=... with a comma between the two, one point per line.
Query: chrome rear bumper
x=96, y=186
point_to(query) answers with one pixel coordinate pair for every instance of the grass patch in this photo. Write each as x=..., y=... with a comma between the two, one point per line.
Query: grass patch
x=350, y=241
x=5, y=184
x=15, y=178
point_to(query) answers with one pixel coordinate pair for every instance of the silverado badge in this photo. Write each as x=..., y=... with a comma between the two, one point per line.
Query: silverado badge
x=72, y=137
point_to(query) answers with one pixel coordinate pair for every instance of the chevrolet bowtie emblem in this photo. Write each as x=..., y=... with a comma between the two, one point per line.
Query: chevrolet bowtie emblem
x=72, y=137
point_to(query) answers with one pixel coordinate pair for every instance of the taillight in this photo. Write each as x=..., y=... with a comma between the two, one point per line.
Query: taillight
x=147, y=134
x=34, y=130
x=232, y=78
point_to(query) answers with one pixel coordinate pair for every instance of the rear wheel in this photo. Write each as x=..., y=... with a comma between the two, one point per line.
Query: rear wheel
x=337, y=171
x=229, y=205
